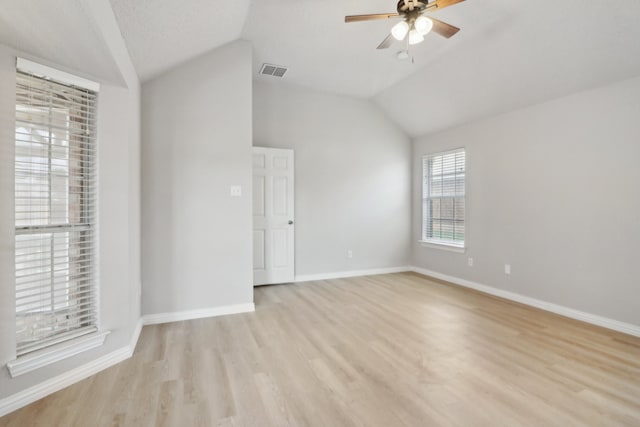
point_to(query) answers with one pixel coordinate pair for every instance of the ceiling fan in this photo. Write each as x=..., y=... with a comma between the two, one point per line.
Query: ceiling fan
x=414, y=23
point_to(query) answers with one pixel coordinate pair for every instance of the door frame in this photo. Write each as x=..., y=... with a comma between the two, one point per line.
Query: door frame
x=272, y=222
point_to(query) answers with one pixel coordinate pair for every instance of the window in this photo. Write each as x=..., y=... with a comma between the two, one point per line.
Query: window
x=443, y=202
x=55, y=212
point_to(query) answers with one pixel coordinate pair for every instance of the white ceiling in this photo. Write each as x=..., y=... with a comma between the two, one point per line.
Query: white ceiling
x=59, y=31
x=324, y=52
x=161, y=34
x=532, y=52
x=509, y=54
x=308, y=36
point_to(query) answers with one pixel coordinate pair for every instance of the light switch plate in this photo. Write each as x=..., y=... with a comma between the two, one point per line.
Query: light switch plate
x=236, y=191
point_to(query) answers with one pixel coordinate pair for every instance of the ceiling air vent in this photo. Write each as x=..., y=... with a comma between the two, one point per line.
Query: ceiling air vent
x=273, y=70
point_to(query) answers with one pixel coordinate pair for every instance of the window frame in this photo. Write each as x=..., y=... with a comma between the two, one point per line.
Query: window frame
x=68, y=341
x=443, y=244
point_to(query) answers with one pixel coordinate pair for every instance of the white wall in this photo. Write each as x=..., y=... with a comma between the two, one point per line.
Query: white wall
x=197, y=240
x=119, y=229
x=553, y=191
x=352, y=178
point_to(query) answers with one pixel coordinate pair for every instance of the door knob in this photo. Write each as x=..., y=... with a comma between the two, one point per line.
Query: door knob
x=290, y=222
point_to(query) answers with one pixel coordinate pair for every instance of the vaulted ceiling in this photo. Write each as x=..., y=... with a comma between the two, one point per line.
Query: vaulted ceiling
x=509, y=54
x=532, y=52
x=59, y=31
x=322, y=51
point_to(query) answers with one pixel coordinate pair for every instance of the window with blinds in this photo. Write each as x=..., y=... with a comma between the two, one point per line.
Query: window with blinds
x=443, y=211
x=55, y=212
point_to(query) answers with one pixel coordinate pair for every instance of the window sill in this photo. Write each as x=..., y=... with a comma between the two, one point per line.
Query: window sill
x=443, y=246
x=49, y=355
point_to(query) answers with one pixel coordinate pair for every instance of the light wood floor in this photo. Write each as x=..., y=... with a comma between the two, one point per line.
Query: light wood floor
x=391, y=350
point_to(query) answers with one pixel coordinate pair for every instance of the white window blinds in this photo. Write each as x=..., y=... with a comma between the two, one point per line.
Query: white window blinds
x=443, y=211
x=55, y=208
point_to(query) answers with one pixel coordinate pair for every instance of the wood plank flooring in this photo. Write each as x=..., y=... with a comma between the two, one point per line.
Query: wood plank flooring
x=389, y=350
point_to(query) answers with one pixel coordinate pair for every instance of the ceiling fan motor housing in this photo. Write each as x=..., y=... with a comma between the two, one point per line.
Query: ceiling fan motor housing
x=404, y=6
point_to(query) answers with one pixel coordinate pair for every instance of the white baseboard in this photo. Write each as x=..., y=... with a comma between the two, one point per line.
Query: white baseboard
x=354, y=273
x=45, y=388
x=154, y=319
x=136, y=336
x=626, y=328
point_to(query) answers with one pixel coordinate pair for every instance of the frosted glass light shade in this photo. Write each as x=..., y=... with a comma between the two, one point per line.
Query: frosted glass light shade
x=415, y=37
x=423, y=25
x=400, y=30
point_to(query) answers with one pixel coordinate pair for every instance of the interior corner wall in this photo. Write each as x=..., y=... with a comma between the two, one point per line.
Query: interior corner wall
x=197, y=239
x=552, y=190
x=118, y=228
x=352, y=177
x=129, y=118
x=134, y=118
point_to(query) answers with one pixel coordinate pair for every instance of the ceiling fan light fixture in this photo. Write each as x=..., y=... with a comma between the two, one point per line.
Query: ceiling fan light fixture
x=415, y=37
x=415, y=24
x=400, y=30
x=423, y=25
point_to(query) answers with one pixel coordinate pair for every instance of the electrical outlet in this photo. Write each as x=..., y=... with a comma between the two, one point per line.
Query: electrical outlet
x=236, y=191
x=470, y=262
x=507, y=269
x=349, y=253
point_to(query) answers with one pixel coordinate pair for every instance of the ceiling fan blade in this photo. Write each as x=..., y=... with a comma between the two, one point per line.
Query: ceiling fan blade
x=441, y=4
x=360, y=18
x=443, y=29
x=386, y=43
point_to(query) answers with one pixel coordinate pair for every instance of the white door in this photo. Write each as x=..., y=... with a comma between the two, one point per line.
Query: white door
x=273, y=220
